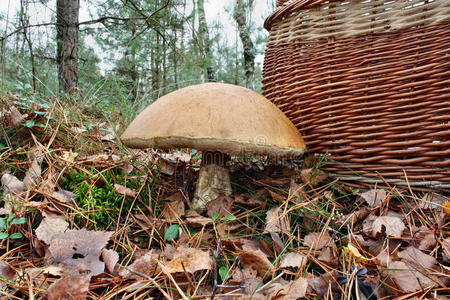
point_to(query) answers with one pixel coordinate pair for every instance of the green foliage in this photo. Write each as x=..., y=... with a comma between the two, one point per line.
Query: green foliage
x=96, y=196
x=224, y=273
x=172, y=232
x=6, y=223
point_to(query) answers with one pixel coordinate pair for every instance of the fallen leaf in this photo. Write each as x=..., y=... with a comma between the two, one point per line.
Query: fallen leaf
x=69, y=156
x=446, y=249
x=374, y=197
x=277, y=242
x=12, y=185
x=446, y=207
x=50, y=225
x=110, y=258
x=248, y=279
x=108, y=138
x=257, y=260
x=276, y=197
x=325, y=285
x=15, y=117
x=74, y=287
x=393, y=226
x=198, y=221
x=403, y=277
x=318, y=240
x=313, y=176
x=176, y=156
x=33, y=175
x=123, y=190
x=416, y=257
x=286, y=290
x=328, y=257
x=6, y=272
x=293, y=260
x=432, y=201
x=189, y=260
x=352, y=250
x=146, y=264
x=173, y=210
x=276, y=221
x=80, y=250
x=64, y=196
x=221, y=206
x=356, y=216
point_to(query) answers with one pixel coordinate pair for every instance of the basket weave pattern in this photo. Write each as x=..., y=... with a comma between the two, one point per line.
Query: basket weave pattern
x=367, y=82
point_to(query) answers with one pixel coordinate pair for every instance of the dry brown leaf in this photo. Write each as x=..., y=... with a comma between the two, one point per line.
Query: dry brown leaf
x=173, y=210
x=286, y=290
x=328, y=257
x=392, y=226
x=176, y=156
x=293, y=260
x=80, y=250
x=446, y=249
x=12, y=185
x=325, y=285
x=248, y=280
x=198, y=221
x=276, y=197
x=356, y=216
x=189, y=260
x=15, y=117
x=318, y=240
x=257, y=260
x=33, y=175
x=313, y=176
x=221, y=206
x=73, y=287
x=383, y=258
x=276, y=221
x=416, y=257
x=6, y=272
x=110, y=258
x=146, y=264
x=432, y=201
x=278, y=243
x=374, y=197
x=50, y=225
x=403, y=277
x=123, y=190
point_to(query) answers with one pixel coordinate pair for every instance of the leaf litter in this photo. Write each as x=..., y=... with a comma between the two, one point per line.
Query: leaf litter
x=287, y=233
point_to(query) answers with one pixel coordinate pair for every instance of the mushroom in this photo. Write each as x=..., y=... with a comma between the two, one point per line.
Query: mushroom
x=218, y=119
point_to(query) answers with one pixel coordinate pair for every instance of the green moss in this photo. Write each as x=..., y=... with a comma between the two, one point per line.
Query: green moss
x=96, y=197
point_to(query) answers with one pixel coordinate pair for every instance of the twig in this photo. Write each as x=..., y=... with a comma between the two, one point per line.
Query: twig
x=216, y=272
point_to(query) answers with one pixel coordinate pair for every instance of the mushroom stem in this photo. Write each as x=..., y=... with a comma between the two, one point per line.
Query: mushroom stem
x=213, y=180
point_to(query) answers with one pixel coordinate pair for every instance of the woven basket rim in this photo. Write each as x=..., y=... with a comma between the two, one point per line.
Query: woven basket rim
x=291, y=6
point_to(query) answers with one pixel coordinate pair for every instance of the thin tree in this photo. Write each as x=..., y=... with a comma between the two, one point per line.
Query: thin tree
x=67, y=12
x=205, y=41
x=239, y=15
x=24, y=20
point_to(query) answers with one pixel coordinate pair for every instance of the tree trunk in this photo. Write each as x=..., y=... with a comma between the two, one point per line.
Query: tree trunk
x=205, y=41
x=67, y=44
x=249, y=49
x=25, y=22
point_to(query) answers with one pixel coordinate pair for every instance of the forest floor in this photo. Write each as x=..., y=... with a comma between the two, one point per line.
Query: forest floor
x=84, y=217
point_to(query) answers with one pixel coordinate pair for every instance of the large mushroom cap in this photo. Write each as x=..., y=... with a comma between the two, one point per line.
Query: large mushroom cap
x=215, y=116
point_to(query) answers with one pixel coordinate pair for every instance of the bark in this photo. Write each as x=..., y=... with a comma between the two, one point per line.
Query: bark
x=205, y=41
x=67, y=44
x=249, y=48
x=26, y=37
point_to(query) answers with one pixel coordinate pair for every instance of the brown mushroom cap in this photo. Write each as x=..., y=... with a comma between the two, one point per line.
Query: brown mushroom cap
x=215, y=116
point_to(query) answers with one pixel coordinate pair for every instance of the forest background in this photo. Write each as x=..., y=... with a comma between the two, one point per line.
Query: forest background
x=129, y=50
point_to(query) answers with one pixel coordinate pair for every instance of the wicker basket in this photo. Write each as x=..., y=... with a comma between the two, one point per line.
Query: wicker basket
x=367, y=82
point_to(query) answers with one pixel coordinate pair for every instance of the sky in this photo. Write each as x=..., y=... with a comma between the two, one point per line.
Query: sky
x=214, y=9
